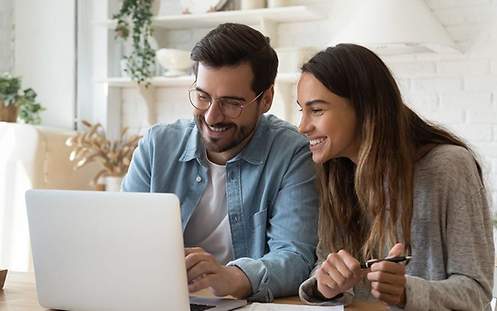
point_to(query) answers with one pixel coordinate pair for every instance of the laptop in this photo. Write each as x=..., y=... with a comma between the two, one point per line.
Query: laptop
x=111, y=251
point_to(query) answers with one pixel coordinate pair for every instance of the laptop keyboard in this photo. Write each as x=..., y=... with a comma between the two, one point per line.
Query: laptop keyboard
x=197, y=307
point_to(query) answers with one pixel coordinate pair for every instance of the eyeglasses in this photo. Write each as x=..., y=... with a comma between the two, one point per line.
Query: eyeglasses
x=230, y=107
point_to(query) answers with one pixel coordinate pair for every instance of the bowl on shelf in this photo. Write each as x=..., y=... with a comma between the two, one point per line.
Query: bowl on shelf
x=175, y=62
x=252, y=4
x=201, y=6
x=277, y=3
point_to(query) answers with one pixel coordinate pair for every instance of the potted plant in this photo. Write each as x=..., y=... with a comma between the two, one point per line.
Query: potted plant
x=114, y=156
x=15, y=102
x=135, y=18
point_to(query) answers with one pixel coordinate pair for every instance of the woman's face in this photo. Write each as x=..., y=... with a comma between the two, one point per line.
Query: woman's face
x=328, y=120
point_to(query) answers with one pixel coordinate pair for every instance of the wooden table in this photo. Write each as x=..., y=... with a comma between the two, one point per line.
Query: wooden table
x=19, y=294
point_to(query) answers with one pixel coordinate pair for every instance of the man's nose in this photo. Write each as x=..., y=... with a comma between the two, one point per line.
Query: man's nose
x=214, y=114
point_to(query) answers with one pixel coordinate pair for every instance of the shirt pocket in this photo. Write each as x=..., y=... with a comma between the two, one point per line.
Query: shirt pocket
x=260, y=219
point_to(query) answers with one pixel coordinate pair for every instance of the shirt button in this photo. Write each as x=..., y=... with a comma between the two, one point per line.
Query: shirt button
x=198, y=179
x=236, y=219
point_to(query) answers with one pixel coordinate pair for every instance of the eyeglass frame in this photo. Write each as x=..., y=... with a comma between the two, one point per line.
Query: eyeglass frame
x=242, y=106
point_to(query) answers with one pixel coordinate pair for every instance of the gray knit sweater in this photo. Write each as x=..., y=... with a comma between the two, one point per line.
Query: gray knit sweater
x=451, y=239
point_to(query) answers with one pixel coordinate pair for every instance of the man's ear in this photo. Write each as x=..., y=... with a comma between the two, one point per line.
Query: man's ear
x=267, y=99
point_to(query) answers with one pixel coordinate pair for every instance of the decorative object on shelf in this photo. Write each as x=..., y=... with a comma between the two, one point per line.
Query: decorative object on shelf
x=176, y=62
x=252, y=4
x=3, y=276
x=17, y=103
x=92, y=145
x=141, y=61
x=291, y=59
x=277, y=3
x=201, y=6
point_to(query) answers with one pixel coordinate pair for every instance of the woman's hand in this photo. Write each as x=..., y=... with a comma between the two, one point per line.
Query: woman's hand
x=388, y=279
x=337, y=274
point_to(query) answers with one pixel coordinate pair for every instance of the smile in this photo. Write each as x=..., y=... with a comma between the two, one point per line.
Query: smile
x=316, y=141
x=218, y=129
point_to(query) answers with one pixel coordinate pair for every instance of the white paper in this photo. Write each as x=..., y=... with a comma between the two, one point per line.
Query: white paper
x=287, y=307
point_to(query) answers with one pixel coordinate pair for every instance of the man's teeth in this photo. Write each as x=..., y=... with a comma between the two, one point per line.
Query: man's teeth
x=314, y=142
x=218, y=129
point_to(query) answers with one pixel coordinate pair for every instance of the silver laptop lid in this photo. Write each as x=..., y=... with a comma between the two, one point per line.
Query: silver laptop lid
x=107, y=250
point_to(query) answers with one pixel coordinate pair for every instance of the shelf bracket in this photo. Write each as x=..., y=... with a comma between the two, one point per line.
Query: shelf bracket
x=286, y=97
x=149, y=96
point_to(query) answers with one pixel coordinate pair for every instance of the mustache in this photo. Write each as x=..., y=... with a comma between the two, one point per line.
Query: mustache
x=201, y=120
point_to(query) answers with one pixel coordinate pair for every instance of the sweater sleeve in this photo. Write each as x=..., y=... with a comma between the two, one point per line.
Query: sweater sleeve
x=308, y=293
x=458, y=292
x=308, y=290
x=468, y=246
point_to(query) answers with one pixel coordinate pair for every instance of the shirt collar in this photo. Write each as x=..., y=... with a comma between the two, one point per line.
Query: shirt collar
x=194, y=148
x=257, y=148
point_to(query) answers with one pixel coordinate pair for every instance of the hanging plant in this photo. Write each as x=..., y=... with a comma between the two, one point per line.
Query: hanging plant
x=141, y=62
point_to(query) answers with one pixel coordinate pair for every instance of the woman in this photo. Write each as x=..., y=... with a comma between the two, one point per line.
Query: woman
x=391, y=184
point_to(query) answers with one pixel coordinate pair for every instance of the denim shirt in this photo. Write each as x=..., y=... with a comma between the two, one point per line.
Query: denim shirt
x=271, y=197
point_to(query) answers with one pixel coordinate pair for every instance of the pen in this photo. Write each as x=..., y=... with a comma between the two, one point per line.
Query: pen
x=396, y=259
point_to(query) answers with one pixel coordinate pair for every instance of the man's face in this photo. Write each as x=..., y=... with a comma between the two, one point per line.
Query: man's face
x=221, y=133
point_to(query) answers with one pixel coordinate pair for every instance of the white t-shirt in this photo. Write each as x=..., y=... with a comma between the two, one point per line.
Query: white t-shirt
x=209, y=226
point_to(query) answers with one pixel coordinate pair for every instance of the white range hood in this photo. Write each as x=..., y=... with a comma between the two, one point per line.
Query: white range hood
x=396, y=27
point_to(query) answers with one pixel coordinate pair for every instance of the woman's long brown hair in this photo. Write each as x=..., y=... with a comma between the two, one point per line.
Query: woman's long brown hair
x=366, y=207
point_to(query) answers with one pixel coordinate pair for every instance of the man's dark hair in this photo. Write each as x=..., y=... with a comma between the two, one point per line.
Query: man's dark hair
x=231, y=44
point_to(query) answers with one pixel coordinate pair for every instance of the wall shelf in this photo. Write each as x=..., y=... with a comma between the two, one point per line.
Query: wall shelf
x=110, y=88
x=123, y=82
x=249, y=17
x=183, y=81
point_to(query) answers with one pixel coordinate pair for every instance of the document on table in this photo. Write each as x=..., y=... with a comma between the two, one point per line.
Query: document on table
x=285, y=307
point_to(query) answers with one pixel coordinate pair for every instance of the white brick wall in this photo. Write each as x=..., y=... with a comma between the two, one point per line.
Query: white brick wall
x=6, y=50
x=458, y=91
x=473, y=67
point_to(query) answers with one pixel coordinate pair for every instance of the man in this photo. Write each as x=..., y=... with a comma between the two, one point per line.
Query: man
x=245, y=180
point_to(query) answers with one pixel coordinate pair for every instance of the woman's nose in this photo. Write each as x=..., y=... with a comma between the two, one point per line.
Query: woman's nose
x=304, y=126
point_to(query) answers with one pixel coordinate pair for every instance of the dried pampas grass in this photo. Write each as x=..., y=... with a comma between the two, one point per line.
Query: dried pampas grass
x=92, y=145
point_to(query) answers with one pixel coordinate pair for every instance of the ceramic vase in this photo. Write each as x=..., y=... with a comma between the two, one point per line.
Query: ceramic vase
x=113, y=183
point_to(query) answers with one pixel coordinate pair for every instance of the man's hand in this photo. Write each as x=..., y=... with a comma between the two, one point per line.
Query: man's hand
x=338, y=273
x=204, y=271
x=388, y=279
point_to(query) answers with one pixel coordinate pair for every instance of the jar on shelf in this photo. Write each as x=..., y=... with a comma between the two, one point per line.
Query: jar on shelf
x=277, y=3
x=252, y=4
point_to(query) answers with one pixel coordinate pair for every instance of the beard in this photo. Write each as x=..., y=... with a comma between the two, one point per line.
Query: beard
x=218, y=145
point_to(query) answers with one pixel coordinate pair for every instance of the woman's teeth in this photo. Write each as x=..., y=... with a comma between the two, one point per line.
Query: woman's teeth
x=317, y=141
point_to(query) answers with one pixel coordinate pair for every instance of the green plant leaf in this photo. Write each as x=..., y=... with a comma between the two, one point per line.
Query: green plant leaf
x=25, y=100
x=141, y=61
